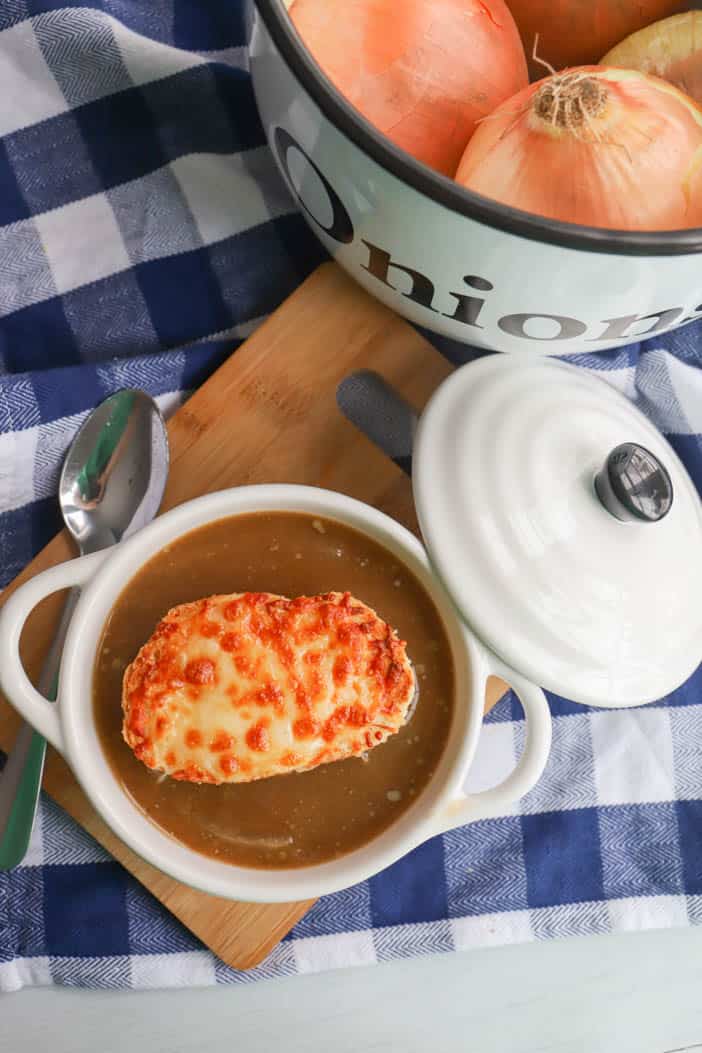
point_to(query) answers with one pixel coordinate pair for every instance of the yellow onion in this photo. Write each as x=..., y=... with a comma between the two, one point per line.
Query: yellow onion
x=423, y=72
x=600, y=147
x=576, y=32
x=671, y=48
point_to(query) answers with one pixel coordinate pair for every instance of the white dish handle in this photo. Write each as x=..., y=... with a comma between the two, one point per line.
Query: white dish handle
x=37, y=710
x=487, y=804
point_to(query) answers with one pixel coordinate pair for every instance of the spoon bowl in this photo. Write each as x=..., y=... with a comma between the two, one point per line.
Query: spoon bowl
x=115, y=471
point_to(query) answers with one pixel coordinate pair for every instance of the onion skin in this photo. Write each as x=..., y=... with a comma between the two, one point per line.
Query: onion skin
x=635, y=162
x=577, y=32
x=671, y=49
x=422, y=71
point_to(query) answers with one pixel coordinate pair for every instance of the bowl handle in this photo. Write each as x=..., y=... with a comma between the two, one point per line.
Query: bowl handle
x=496, y=801
x=15, y=684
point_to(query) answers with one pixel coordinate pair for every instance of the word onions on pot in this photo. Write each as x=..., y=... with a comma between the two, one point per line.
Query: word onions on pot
x=671, y=49
x=576, y=32
x=599, y=147
x=422, y=71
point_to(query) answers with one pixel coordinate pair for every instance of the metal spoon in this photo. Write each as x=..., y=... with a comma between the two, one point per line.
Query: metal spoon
x=111, y=485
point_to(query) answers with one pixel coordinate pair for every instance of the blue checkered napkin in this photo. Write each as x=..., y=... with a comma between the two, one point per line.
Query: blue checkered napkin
x=143, y=231
x=133, y=164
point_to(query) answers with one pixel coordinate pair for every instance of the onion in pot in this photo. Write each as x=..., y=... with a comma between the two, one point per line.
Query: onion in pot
x=600, y=147
x=422, y=71
x=671, y=49
x=576, y=32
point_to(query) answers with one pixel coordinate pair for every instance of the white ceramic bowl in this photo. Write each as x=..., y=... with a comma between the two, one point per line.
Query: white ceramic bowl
x=457, y=263
x=70, y=727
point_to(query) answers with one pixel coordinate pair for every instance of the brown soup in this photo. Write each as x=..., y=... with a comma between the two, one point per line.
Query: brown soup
x=302, y=818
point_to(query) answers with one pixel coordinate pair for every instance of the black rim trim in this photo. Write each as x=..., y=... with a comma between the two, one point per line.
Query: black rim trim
x=443, y=190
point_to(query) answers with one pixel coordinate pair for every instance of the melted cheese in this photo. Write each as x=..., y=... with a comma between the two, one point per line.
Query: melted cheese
x=240, y=687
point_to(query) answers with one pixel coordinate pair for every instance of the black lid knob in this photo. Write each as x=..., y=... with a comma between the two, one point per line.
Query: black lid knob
x=634, y=486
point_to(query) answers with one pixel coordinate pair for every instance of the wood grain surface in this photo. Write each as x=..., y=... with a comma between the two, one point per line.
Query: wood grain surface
x=269, y=414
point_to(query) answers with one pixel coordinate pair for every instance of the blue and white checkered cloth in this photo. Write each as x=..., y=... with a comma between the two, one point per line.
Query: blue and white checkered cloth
x=143, y=232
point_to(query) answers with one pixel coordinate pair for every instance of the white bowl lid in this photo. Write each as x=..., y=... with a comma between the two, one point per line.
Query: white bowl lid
x=581, y=570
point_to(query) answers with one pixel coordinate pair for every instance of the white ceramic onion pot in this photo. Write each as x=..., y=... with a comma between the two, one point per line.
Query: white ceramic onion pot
x=69, y=724
x=459, y=264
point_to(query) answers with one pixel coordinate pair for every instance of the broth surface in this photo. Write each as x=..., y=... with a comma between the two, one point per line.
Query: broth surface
x=302, y=818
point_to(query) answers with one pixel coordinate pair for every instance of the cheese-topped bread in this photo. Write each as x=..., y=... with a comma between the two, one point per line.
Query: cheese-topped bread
x=244, y=686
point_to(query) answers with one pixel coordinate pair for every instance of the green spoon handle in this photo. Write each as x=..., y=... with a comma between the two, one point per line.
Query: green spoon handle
x=20, y=779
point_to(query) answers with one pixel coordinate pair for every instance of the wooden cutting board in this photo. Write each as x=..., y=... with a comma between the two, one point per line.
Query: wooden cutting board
x=269, y=414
